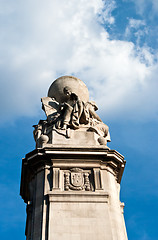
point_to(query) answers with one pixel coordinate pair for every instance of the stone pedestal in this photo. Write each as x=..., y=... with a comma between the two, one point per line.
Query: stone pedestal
x=72, y=193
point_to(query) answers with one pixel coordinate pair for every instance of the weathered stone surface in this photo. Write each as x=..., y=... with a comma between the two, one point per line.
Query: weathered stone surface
x=71, y=181
x=79, y=220
x=78, y=87
x=71, y=115
x=78, y=191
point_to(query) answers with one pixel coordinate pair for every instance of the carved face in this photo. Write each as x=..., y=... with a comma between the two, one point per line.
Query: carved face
x=67, y=91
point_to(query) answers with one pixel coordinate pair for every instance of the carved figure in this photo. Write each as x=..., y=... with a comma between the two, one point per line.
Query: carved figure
x=73, y=111
x=39, y=133
x=96, y=123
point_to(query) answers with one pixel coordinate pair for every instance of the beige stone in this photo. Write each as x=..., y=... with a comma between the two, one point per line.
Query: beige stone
x=75, y=193
x=78, y=87
x=71, y=181
x=71, y=117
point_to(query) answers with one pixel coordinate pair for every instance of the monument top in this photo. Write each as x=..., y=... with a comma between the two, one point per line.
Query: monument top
x=71, y=117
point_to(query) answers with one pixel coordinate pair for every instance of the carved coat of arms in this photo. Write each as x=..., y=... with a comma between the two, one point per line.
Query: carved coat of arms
x=77, y=179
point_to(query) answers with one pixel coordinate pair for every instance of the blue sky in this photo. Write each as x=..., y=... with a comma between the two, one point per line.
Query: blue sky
x=113, y=47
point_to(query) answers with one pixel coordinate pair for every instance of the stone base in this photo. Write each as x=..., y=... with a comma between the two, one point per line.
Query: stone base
x=73, y=193
x=79, y=216
x=69, y=137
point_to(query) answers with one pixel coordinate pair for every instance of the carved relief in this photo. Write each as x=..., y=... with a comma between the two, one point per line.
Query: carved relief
x=77, y=179
x=56, y=178
x=97, y=179
x=68, y=107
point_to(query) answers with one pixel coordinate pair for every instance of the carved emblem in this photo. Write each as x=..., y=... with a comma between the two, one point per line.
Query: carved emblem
x=77, y=179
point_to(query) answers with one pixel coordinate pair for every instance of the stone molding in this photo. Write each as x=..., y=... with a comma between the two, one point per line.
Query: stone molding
x=67, y=158
x=56, y=196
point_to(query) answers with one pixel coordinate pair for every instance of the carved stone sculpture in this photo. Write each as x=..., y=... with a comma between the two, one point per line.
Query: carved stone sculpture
x=77, y=179
x=69, y=110
x=71, y=182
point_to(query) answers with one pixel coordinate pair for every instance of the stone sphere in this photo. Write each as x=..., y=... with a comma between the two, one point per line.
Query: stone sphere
x=102, y=141
x=76, y=85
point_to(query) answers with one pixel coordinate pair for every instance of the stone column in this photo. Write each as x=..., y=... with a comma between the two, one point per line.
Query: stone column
x=73, y=193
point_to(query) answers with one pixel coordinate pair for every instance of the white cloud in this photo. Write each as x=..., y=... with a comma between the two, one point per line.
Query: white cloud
x=147, y=6
x=136, y=28
x=105, y=12
x=41, y=41
x=136, y=23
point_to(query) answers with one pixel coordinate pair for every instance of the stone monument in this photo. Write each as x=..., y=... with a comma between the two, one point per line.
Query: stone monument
x=71, y=181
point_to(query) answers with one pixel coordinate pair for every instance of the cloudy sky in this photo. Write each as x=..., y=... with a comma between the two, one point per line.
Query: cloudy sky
x=113, y=47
